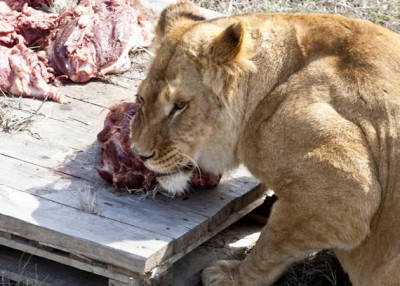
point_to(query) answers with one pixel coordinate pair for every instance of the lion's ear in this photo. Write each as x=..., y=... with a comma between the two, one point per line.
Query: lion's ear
x=177, y=14
x=232, y=45
x=229, y=54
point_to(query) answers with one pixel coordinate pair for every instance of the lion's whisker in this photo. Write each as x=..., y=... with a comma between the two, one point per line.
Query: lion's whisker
x=176, y=164
x=192, y=161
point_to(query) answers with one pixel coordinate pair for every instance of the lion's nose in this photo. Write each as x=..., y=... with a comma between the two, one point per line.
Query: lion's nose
x=142, y=156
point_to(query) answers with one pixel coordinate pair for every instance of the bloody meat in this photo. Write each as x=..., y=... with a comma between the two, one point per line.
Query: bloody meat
x=120, y=166
x=24, y=72
x=18, y=4
x=89, y=40
x=8, y=19
x=24, y=25
x=96, y=39
x=35, y=25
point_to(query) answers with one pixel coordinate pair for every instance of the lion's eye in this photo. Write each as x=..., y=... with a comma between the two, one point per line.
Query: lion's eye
x=178, y=105
x=139, y=99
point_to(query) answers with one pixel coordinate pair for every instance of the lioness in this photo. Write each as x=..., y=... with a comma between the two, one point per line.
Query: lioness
x=310, y=104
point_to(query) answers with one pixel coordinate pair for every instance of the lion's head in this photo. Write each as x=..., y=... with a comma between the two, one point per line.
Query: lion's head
x=187, y=117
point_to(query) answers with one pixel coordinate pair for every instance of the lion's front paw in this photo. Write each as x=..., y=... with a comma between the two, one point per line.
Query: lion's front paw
x=221, y=274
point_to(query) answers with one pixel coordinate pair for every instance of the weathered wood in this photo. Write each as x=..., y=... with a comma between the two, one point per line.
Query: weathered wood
x=70, y=148
x=76, y=112
x=132, y=278
x=231, y=219
x=130, y=238
x=112, y=282
x=57, y=225
x=173, y=217
x=98, y=93
x=32, y=270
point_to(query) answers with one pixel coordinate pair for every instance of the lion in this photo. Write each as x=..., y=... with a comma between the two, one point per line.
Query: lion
x=310, y=104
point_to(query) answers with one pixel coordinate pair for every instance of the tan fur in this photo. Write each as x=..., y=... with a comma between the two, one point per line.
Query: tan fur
x=311, y=105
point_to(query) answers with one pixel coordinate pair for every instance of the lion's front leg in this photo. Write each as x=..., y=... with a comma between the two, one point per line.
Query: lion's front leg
x=295, y=230
x=254, y=270
x=221, y=274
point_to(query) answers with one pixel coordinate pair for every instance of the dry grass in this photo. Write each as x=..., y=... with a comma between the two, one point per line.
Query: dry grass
x=385, y=13
x=19, y=280
x=88, y=201
x=7, y=282
x=319, y=269
x=13, y=119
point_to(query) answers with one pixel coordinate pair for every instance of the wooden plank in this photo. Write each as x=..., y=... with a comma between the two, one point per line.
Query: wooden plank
x=46, y=124
x=147, y=214
x=170, y=217
x=48, y=154
x=93, y=236
x=116, y=283
x=75, y=113
x=233, y=217
x=220, y=207
x=62, y=146
x=218, y=203
x=132, y=279
x=68, y=143
x=98, y=93
x=80, y=161
x=151, y=215
x=79, y=113
x=32, y=270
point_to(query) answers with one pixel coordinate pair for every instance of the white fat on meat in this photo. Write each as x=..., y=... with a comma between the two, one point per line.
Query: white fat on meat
x=23, y=73
x=98, y=42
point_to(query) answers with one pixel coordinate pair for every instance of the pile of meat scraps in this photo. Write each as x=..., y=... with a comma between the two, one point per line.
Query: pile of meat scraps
x=89, y=40
x=120, y=166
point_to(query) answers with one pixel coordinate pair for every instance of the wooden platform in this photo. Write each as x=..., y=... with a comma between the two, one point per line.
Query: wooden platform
x=26, y=269
x=48, y=175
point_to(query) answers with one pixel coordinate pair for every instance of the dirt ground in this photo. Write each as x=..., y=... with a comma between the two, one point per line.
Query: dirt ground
x=319, y=269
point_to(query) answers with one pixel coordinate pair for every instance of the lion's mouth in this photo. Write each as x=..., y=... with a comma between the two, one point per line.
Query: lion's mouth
x=186, y=169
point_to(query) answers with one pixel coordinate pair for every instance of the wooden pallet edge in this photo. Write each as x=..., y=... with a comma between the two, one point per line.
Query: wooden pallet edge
x=20, y=279
x=128, y=277
x=164, y=266
x=25, y=280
